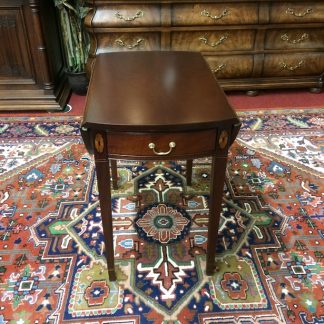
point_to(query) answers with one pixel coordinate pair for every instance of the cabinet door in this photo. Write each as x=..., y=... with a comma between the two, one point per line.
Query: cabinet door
x=31, y=67
x=15, y=60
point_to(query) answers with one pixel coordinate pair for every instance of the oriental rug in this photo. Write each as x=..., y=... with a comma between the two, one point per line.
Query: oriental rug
x=270, y=265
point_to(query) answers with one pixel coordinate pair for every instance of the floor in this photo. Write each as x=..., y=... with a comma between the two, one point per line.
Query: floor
x=266, y=99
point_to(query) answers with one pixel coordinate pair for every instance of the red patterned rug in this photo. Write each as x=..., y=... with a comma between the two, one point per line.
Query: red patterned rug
x=270, y=251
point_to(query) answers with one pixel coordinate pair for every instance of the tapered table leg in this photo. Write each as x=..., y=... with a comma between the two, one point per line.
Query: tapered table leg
x=189, y=172
x=114, y=174
x=216, y=195
x=103, y=179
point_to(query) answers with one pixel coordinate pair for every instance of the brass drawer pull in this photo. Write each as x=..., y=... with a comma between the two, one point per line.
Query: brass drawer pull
x=171, y=145
x=219, y=68
x=299, y=14
x=206, y=13
x=303, y=37
x=121, y=43
x=138, y=14
x=221, y=40
x=285, y=66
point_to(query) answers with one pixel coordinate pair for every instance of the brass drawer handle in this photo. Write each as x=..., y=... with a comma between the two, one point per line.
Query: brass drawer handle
x=221, y=40
x=292, y=12
x=286, y=38
x=206, y=13
x=219, y=68
x=121, y=43
x=171, y=145
x=285, y=66
x=138, y=14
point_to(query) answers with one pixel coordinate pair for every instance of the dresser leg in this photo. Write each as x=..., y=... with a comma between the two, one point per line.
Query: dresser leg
x=252, y=93
x=216, y=195
x=189, y=172
x=114, y=174
x=103, y=179
x=315, y=90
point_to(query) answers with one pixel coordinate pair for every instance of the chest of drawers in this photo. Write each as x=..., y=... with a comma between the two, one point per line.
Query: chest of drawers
x=249, y=45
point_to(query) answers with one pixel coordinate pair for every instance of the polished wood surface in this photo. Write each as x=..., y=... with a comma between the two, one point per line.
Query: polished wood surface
x=234, y=36
x=158, y=106
x=31, y=66
x=227, y=13
x=202, y=143
x=124, y=97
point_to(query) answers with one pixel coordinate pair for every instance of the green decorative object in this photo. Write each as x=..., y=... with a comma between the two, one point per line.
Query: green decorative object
x=75, y=41
x=74, y=36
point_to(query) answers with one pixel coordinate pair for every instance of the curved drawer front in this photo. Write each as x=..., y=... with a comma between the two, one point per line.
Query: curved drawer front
x=127, y=16
x=294, y=38
x=214, y=14
x=293, y=64
x=185, y=143
x=233, y=66
x=220, y=40
x=115, y=42
x=297, y=12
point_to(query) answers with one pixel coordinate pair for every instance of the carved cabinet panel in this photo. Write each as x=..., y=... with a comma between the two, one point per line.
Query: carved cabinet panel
x=248, y=44
x=14, y=61
x=31, y=68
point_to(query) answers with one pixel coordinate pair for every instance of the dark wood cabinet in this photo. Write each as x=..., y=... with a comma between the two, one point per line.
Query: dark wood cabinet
x=249, y=44
x=31, y=66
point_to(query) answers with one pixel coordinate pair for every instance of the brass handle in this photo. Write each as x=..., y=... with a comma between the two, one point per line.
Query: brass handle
x=121, y=43
x=285, y=66
x=286, y=38
x=219, y=68
x=221, y=40
x=206, y=13
x=138, y=14
x=171, y=145
x=292, y=12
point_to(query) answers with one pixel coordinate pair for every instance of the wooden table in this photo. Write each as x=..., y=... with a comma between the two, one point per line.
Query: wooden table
x=157, y=106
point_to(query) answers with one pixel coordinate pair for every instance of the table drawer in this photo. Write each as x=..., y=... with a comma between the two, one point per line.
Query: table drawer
x=294, y=38
x=297, y=12
x=220, y=40
x=214, y=14
x=116, y=42
x=127, y=16
x=160, y=145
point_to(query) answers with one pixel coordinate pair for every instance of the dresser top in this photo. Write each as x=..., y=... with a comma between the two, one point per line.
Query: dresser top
x=155, y=91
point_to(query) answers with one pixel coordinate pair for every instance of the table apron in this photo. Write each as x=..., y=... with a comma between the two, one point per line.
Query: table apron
x=164, y=158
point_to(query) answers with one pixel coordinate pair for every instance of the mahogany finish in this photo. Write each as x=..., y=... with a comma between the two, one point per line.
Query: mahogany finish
x=131, y=87
x=157, y=105
x=31, y=67
x=248, y=44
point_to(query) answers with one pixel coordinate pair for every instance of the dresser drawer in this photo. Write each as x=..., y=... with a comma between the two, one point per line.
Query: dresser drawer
x=297, y=12
x=293, y=64
x=220, y=40
x=214, y=14
x=185, y=144
x=231, y=66
x=294, y=38
x=115, y=42
x=127, y=16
